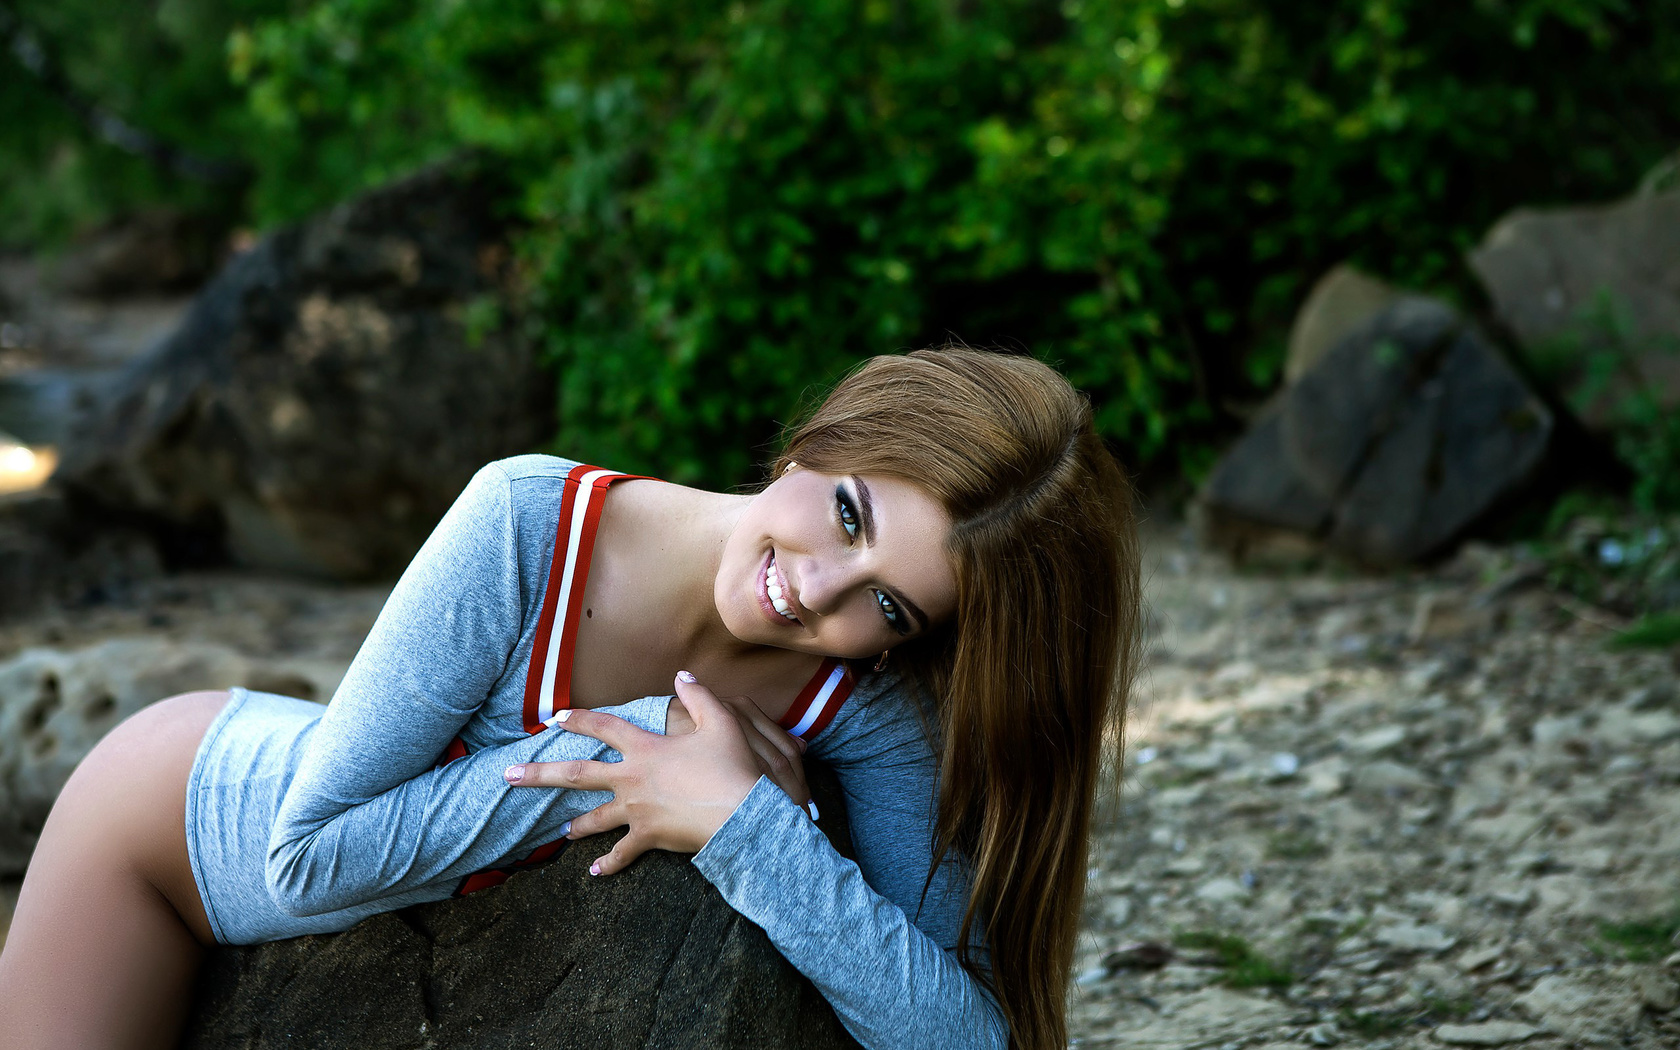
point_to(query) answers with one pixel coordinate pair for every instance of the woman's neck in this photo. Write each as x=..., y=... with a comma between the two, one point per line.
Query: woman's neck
x=669, y=539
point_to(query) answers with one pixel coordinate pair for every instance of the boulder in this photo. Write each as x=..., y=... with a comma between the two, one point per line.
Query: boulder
x=1340, y=302
x=651, y=958
x=50, y=552
x=1571, y=282
x=56, y=704
x=1401, y=436
x=330, y=392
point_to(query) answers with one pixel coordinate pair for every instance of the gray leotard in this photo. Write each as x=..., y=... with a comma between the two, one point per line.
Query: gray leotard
x=303, y=819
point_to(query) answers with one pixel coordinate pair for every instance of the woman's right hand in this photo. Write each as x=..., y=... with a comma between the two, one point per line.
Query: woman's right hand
x=779, y=753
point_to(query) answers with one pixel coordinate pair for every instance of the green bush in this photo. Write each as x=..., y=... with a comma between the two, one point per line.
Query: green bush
x=728, y=205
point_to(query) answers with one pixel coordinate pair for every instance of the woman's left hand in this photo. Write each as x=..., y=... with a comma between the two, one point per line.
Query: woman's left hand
x=673, y=791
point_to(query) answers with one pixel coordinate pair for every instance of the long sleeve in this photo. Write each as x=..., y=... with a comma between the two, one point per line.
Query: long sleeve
x=881, y=952
x=369, y=813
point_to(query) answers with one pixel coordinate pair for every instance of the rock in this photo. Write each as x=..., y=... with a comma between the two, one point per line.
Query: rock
x=1554, y=273
x=55, y=705
x=1414, y=937
x=330, y=392
x=51, y=553
x=1399, y=438
x=1384, y=777
x=1657, y=990
x=652, y=957
x=1476, y=958
x=1582, y=1009
x=1377, y=741
x=1223, y=891
x=155, y=251
x=1340, y=302
x=1488, y=1033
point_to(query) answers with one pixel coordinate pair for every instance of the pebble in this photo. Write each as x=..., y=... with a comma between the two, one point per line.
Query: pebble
x=1323, y=1035
x=1476, y=958
x=1415, y=937
x=1488, y=1033
x=1657, y=991
x=1377, y=740
x=1222, y=891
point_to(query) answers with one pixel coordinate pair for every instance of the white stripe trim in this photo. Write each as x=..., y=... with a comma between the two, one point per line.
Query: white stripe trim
x=557, y=633
x=820, y=701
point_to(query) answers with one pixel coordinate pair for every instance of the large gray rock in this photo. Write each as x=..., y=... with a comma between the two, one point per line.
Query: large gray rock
x=1339, y=303
x=56, y=704
x=1396, y=440
x=330, y=392
x=1572, y=281
x=650, y=958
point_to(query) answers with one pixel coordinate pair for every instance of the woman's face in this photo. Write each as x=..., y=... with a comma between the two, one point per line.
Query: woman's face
x=837, y=565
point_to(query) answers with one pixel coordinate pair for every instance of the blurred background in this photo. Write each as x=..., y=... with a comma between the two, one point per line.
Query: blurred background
x=1378, y=299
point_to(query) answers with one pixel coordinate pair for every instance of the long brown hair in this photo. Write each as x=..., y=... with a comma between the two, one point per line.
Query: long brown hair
x=1032, y=676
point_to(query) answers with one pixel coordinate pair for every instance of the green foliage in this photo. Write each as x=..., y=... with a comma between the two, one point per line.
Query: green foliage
x=729, y=205
x=1244, y=966
x=1602, y=552
x=1642, y=940
x=1656, y=631
x=159, y=66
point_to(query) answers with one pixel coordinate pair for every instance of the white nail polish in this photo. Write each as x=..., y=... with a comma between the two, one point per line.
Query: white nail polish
x=811, y=808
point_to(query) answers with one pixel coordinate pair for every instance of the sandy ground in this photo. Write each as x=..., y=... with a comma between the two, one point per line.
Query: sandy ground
x=1414, y=810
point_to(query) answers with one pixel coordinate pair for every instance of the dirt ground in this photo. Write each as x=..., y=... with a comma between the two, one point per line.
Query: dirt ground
x=1393, y=811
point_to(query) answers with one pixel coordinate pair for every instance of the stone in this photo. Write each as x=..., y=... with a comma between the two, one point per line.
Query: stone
x=329, y=393
x=55, y=705
x=1553, y=274
x=1476, y=958
x=652, y=957
x=1413, y=426
x=1377, y=741
x=1414, y=937
x=1488, y=1033
x=1583, y=1009
x=1223, y=891
x=51, y=552
x=1385, y=777
x=1399, y=438
x=1658, y=991
x=1340, y=302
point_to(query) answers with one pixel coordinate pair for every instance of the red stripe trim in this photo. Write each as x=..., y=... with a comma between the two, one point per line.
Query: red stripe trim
x=551, y=599
x=580, y=578
x=808, y=696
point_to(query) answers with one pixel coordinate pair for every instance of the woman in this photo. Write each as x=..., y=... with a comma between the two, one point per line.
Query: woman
x=951, y=508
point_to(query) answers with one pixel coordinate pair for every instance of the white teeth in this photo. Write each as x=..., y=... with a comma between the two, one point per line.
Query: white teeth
x=773, y=587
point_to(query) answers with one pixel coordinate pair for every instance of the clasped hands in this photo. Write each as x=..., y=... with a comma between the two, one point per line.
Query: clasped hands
x=674, y=791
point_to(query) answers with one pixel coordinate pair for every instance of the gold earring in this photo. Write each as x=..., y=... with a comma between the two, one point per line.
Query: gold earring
x=881, y=664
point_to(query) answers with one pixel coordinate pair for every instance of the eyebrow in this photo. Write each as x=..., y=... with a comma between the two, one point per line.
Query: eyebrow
x=866, y=520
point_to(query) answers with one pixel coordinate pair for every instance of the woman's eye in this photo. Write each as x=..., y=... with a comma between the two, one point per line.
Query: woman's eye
x=889, y=609
x=848, y=513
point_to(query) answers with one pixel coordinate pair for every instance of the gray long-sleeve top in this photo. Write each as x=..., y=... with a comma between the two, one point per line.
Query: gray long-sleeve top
x=363, y=820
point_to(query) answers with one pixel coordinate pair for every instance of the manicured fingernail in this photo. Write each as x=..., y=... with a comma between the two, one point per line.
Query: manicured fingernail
x=595, y=868
x=684, y=676
x=514, y=774
x=811, y=808
x=566, y=829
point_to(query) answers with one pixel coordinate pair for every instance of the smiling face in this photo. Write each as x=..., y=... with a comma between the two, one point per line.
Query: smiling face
x=837, y=565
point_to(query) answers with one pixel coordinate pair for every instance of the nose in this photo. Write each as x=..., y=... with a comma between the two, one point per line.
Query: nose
x=823, y=584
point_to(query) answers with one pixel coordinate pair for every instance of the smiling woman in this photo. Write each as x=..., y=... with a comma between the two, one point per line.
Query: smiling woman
x=548, y=668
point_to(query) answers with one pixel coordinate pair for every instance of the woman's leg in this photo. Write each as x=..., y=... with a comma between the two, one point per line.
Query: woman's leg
x=109, y=927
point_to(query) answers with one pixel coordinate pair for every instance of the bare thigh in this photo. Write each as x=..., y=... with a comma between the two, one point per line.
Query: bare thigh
x=109, y=927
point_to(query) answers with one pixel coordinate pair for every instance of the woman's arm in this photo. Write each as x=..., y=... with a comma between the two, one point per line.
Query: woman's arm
x=369, y=813
x=891, y=983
